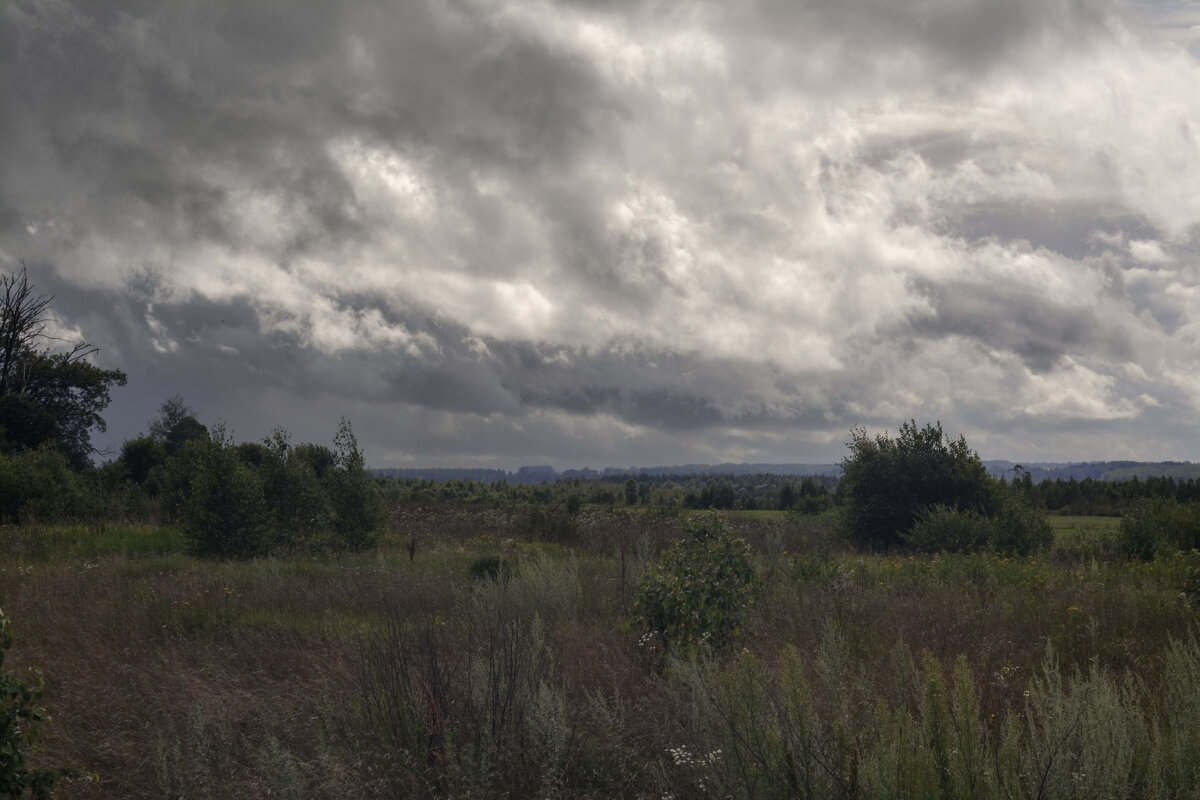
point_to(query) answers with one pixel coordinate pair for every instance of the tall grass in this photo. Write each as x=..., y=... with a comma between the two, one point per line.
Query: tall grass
x=1071, y=673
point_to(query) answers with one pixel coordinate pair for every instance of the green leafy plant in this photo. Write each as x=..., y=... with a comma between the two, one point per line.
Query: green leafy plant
x=701, y=589
x=20, y=716
x=239, y=501
x=39, y=485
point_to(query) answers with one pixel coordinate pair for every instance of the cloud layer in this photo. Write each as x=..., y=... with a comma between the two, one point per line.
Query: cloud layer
x=621, y=233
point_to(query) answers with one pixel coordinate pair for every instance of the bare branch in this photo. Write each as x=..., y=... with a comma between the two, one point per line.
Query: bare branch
x=22, y=321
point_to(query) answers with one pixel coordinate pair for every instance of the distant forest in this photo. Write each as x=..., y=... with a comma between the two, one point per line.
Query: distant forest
x=1038, y=471
x=1098, y=488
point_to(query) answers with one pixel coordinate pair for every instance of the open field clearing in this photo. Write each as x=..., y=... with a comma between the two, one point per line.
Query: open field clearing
x=377, y=675
x=1072, y=523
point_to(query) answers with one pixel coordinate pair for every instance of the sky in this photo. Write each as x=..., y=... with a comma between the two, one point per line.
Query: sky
x=620, y=233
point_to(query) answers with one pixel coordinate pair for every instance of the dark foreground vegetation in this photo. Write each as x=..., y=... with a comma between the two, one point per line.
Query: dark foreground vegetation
x=223, y=620
x=565, y=671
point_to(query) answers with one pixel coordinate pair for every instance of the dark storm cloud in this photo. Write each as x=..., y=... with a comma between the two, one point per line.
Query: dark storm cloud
x=1019, y=320
x=492, y=231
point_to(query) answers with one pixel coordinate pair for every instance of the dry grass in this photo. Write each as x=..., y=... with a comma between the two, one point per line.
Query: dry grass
x=172, y=677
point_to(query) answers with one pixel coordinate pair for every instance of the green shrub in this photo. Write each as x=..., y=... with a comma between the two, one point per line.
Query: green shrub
x=20, y=717
x=1153, y=527
x=298, y=503
x=236, y=502
x=140, y=456
x=40, y=486
x=887, y=483
x=222, y=507
x=1017, y=527
x=943, y=529
x=701, y=589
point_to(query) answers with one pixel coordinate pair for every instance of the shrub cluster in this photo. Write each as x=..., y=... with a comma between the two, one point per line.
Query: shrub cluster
x=888, y=483
x=1016, y=528
x=238, y=501
x=1159, y=526
x=39, y=485
x=928, y=492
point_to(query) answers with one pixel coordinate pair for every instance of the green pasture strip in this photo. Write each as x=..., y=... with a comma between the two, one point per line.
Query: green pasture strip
x=88, y=541
x=756, y=514
x=1065, y=523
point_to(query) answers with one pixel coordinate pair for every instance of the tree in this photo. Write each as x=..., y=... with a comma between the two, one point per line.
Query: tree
x=299, y=504
x=219, y=499
x=46, y=396
x=140, y=456
x=353, y=496
x=176, y=424
x=888, y=483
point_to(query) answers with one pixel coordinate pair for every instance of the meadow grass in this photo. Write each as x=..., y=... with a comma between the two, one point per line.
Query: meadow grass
x=1067, y=523
x=380, y=674
x=87, y=541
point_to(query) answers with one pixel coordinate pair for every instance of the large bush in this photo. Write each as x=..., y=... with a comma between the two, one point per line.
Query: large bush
x=887, y=484
x=1015, y=528
x=1153, y=527
x=701, y=589
x=237, y=501
x=297, y=500
x=1018, y=528
x=221, y=505
x=944, y=529
x=39, y=485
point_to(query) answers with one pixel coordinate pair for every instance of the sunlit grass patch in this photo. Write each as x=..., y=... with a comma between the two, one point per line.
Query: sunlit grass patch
x=1064, y=523
x=88, y=541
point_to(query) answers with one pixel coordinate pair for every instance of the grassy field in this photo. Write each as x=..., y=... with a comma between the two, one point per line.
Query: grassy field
x=1065, y=523
x=377, y=675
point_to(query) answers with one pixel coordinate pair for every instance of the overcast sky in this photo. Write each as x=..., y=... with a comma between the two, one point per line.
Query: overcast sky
x=614, y=234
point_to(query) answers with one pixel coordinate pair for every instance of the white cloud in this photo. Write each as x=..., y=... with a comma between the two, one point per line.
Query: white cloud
x=845, y=210
x=1148, y=251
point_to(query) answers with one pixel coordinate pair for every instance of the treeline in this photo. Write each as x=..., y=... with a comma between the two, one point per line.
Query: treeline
x=811, y=493
x=250, y=498
x=231, y=500
x=1091, y=496
x=807, y=494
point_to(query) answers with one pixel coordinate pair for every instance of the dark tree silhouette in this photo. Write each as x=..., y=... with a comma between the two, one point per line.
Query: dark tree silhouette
x=48, y=395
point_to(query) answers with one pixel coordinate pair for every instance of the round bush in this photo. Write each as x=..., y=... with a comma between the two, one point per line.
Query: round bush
x=701, y=589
